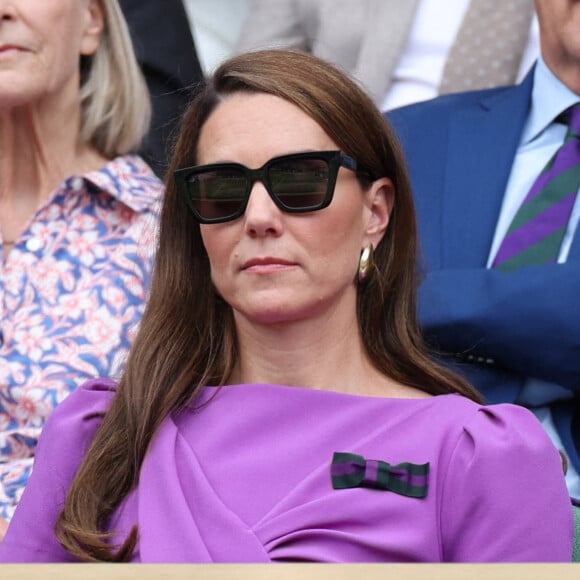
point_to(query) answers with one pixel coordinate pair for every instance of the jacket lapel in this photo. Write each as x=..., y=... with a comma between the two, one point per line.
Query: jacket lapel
x=483, y=139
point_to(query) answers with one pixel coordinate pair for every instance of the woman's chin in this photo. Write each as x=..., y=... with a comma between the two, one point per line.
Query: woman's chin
x=270, y=317
x=272, y=312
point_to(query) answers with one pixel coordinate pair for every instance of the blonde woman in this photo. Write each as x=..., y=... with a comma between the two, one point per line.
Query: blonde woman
x=76, y=209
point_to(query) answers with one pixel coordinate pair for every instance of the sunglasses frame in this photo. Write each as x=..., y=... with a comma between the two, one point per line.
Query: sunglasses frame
x=334, y=159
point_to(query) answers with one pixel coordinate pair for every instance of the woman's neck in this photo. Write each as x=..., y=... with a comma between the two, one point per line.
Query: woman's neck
x=322, y=354
x=37, y=151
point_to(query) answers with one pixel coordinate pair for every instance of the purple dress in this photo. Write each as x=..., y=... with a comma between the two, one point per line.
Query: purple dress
x=273, y=473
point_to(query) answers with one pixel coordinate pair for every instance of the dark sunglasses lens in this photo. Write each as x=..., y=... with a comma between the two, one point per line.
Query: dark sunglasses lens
x=218, y=193
x=300, y=184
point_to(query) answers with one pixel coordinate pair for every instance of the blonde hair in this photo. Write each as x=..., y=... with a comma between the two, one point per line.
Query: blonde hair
x=115, y=104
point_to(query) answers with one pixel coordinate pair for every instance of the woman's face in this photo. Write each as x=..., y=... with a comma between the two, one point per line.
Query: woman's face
x=41, y=42
x=272, y=266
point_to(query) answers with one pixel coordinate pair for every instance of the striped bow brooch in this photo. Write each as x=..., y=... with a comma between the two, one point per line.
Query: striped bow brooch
x=409, y=479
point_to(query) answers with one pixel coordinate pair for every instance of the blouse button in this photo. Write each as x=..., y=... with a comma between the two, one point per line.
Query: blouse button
x=77, y=184
x=33, y=244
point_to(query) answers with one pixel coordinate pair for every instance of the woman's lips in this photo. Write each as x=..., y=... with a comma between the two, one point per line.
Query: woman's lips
x=10, y=49
x=267, y=265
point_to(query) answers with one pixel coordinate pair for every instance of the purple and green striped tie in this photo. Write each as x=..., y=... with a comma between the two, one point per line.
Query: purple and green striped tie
x=538, y=228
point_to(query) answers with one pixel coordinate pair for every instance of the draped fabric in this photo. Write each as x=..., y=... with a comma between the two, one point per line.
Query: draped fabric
x=246, y=476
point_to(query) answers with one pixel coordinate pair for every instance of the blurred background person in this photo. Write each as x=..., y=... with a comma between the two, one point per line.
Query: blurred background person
x=216, y=27
x=404, y=52
x=78, y=212
x=166, y=52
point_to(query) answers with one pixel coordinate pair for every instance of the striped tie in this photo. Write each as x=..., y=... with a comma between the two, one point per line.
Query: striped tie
x=538, y=228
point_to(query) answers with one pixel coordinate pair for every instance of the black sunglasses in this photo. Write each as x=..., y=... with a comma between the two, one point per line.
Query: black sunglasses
x=297, y=183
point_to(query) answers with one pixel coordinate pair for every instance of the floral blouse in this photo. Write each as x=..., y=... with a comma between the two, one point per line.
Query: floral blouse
x=72, y=292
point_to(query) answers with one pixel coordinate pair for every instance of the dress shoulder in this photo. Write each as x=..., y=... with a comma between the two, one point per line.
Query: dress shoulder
x=72, y=427
x=80, y=414
x=63, y=443
x=504, y=477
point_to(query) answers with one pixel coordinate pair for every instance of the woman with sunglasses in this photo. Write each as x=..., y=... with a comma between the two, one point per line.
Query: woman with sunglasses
x=278, y=403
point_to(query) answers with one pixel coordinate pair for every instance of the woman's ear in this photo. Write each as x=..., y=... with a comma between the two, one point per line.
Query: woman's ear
x=381, y=200
x=94, y=23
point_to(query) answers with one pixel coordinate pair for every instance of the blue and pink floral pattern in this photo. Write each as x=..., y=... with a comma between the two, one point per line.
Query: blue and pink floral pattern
x=72, y=292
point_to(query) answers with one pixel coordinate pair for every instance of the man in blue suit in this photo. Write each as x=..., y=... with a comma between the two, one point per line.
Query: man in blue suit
x=473, y=157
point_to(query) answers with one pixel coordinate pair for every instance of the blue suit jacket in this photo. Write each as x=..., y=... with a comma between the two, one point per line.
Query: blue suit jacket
x=503, y=327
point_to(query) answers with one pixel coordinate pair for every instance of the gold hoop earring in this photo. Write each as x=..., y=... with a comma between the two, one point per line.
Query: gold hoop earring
x=366, y=262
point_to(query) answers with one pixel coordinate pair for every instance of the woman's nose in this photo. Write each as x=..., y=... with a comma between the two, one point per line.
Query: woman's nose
x=262, y=215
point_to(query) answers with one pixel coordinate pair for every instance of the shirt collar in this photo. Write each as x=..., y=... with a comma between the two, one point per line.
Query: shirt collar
x=550, y=97
x=128, y=179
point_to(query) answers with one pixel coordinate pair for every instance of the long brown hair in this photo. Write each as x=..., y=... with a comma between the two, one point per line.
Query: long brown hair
x=187, y=337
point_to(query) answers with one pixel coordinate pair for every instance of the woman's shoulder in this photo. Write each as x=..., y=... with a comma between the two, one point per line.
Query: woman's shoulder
x=78, y=417
x=494, y=422
x=498, y=439
x=63, y=443
x=93, y=397
x=492, y=426
x=448, y=418
x=502, y=478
